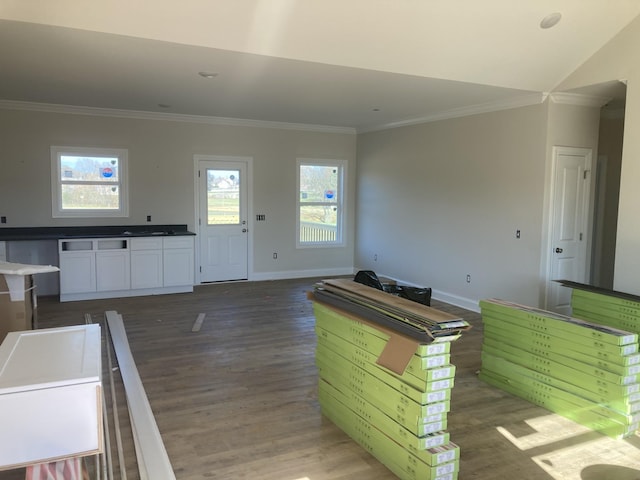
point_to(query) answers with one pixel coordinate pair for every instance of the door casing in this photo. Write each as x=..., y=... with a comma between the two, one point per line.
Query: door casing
x=552, y=290
x=248, y=161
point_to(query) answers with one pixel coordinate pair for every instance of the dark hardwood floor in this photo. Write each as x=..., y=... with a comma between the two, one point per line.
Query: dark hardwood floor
x=238, y=399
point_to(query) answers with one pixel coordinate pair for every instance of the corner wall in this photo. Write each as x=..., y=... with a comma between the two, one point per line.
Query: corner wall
x=443, y=200
x=620, y=60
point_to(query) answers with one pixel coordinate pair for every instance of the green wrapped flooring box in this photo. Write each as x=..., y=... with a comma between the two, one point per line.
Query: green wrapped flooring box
x=363, y=382
x=402, y=462
x=569, y=357
x=549, y=322
x=418, y=419
x=552, y=341
x=537, y=385
x=367, y=336
x=560, y=366
x=627, y=403
x=440, y=378
x=386, y=424
x=549, y=344
x=590, y=420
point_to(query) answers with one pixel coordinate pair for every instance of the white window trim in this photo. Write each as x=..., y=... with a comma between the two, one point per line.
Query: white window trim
x=342, y=204
x=56, y=183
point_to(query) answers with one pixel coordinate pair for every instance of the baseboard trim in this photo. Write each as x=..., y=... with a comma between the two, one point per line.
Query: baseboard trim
x=462, y=302
x=451, y=299
x=322, y=272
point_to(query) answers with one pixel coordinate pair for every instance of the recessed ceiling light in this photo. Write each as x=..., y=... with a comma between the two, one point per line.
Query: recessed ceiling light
x=208, y=74
x=164, y=105
x=376, y=109
x=550, y=20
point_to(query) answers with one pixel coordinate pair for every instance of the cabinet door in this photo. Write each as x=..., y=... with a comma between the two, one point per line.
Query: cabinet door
x=77, y=272
x=178, y=267
x=114, y=270
x=146, y=268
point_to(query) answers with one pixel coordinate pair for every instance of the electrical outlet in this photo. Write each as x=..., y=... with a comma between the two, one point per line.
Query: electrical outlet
x=3, y=219
x=375, y=257
x=468, y=278
x=517, y=233
x=148, y=218
x=275, y=256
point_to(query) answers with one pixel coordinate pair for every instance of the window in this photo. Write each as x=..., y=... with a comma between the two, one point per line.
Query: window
x=320, y=202
x=89, y=182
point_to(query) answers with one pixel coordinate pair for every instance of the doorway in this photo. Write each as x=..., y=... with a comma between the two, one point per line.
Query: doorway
x=569, y=217
x=222, y=213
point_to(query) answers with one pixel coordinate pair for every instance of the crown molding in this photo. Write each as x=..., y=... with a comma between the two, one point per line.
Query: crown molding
x=172, y=117
x=579, y=99
x=516, y=102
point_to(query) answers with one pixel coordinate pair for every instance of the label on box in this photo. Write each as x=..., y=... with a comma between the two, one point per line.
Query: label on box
x=442, y=373
x=444, y=469
x=437, y=396
x=437, y=361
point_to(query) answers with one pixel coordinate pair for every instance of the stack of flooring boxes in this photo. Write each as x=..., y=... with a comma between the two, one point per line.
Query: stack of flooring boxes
x=399, y=416
x=582, y=370
x=606, y=307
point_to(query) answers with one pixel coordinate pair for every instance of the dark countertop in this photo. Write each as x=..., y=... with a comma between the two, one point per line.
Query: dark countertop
x=57, y=233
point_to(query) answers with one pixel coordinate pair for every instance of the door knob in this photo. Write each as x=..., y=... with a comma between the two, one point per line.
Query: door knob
x=244, y=230
x=558, y=250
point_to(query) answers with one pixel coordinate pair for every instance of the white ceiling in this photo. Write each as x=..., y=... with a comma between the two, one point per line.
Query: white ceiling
x=360, y=64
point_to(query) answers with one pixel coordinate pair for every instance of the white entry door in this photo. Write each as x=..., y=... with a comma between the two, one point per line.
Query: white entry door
x=223, y=229
x=569, y=224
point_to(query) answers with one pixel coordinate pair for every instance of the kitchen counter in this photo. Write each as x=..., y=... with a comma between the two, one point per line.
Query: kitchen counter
x=57, y=233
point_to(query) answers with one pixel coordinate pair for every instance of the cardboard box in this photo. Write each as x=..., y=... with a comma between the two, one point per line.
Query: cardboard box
x=17, y=308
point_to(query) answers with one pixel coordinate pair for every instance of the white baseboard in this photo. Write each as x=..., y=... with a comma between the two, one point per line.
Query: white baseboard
x=451, y=299
x=322, y=272
x=462, y=302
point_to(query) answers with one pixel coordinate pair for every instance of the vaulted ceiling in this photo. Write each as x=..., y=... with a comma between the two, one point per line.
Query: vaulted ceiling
x=357, y=64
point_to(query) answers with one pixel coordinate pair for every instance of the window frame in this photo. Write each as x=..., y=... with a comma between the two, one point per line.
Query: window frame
x=57, y=182
x=340, y=204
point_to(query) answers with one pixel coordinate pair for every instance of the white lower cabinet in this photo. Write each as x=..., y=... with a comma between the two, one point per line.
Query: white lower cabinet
x=177, y=260
x=113, y=270
x=117, y=267
x=146, y=263
x=80, y=268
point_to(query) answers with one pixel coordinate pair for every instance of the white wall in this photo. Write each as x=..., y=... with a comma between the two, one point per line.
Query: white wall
x=443, y=200
x=620, y=60
x=162, y=179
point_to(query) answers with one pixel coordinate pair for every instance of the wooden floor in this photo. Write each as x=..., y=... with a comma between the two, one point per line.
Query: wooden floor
x=238, y=399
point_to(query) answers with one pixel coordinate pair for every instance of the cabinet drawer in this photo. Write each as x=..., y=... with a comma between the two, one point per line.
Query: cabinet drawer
x=75, y=245
x=178, y=242
x=146, y=243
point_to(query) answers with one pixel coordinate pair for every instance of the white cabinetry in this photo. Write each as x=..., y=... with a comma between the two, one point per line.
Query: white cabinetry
x=125, y=267
x=146, y=262
x=113, y=271
x=177, y=260
x=78, y=261
x=50, y=395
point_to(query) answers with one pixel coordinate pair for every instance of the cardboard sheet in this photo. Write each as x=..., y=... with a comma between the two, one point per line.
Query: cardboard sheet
x=397, y=353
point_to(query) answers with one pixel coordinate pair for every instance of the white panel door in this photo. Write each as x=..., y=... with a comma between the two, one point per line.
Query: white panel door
x=569, y=224
x=223, y=220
